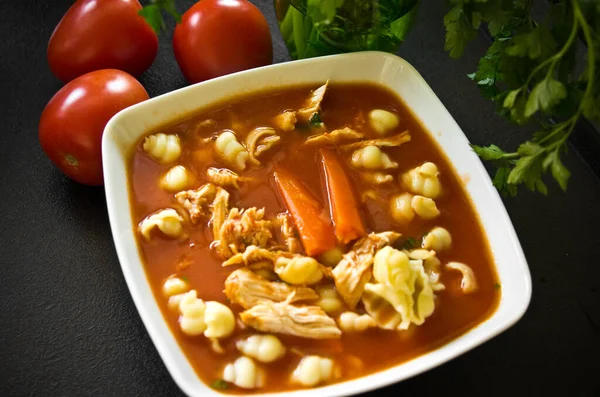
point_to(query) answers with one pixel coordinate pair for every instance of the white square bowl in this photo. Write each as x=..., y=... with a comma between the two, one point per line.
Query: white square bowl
x=126, y=128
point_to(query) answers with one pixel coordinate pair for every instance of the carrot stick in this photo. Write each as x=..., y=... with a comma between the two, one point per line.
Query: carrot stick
x=310, y=218
x=342, y=205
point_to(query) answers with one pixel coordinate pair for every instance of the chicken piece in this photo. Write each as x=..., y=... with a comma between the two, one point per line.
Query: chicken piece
x=309, y=322
x=355, y=268
x=313, y=104
x=262, y=258
x=260, y=140
x=334, y=137
x=220, y=207
x=241, y=229
x=248, y=290
x=252, y=255
x=288, y=231
x=194, y=201
x=222, y=177
x=286, y=121
x=392, y=141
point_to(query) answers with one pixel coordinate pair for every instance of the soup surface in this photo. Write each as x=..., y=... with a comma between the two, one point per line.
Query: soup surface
x=401, y=263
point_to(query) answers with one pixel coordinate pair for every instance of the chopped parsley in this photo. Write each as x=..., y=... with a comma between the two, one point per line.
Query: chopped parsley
x=184, y=278
x=409, y=243
x=220, y=384
x=315, y=120
x=496, y=286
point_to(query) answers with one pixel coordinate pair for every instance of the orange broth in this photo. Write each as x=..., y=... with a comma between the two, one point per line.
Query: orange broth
x=357, y=354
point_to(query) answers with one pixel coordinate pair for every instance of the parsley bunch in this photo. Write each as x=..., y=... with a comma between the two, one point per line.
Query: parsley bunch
x=545, y=72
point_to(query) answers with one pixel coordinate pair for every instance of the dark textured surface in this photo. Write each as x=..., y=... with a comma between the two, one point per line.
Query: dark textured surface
x=69, y=326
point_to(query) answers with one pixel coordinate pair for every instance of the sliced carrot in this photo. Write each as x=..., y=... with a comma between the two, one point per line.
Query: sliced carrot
x=344, y=211
x=310, y=218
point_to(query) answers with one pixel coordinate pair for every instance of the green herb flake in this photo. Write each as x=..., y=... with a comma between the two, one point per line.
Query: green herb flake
x=496, y=286
x=184, y=278
x=409, y=243
x=220, y=384
x=315, y=120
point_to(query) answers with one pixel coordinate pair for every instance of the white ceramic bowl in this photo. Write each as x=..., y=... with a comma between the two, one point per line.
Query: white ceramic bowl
x=126, y=128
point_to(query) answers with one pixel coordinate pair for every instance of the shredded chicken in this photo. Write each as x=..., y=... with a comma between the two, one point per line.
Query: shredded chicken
x=260, y=140
x=220, y=207
x=334, y=137
x=313, y=104
x=306, y=322
x=248, y=290
x=288, y=232
x=241, y=229
x=222, y=177
x=392, y=141
x=355, y=268
x=286, y=121
x=260, y=258
x=194, y=201
x=251, y=255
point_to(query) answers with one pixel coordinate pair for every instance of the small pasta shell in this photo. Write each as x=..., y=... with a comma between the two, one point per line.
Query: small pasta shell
x=244, y=373
x=162, y=147
x=401, y=208
x=175, y=179
x=425, y=207
x=438, y=239
x=382, y=121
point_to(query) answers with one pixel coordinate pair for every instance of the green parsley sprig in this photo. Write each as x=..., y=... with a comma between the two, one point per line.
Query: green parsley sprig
x=531, y=71
x=153, y=13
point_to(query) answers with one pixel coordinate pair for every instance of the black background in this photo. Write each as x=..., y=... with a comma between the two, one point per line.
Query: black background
x=69, y=326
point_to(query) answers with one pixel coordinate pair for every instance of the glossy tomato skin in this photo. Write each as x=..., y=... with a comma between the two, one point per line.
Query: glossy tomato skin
x=72, y=123
x=218, y=37
x=101, y=34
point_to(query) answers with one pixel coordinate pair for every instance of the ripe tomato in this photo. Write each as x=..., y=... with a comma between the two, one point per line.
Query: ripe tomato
x=101, y=34
x=72, y=123
x=217, y=37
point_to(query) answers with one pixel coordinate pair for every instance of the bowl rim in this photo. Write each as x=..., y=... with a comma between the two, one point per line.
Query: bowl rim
x=115, y=170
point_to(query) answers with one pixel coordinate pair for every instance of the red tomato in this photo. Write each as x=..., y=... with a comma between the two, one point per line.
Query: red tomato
x=101, y=34
x=217, y=37
x=73, y=121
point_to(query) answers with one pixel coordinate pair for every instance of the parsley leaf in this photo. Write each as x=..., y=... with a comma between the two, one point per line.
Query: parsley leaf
x=322, y=12
x=528, y=170
x=509, y=100
x=500, y=181
x=409, y=243
x=459, y=31
x=545, y=95
x=315, y=120
x=559, y=172
x=539, y=43
x=220, y=384
x=153, y=16
x=491, y=152
x=533, y=73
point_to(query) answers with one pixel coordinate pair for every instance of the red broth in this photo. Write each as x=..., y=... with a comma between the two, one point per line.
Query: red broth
x=357, y=354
